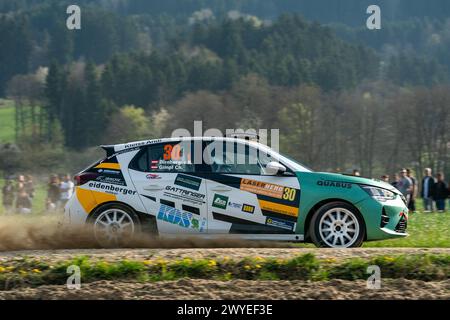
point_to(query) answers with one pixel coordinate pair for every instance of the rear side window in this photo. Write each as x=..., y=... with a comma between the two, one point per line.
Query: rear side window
x=165, y=157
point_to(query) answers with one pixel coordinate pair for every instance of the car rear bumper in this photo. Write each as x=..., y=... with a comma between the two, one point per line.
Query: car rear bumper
x=74, y=213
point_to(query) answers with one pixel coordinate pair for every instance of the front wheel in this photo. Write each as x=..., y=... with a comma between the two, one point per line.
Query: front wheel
x=114, y=225
x=337, y=225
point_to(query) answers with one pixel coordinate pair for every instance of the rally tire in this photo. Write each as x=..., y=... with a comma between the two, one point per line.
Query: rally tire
x=114, y=225
x=337, y=225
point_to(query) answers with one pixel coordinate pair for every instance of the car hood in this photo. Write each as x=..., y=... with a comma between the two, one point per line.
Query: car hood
x=357, y=180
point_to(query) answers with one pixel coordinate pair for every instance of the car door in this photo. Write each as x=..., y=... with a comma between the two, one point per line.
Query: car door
x=241, y=198
x=163, y=176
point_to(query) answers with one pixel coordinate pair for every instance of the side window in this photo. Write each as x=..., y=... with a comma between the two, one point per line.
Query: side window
x=233, y=158
x=165, y=157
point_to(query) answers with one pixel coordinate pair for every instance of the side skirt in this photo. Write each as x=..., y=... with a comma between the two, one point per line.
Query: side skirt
x=260, y=237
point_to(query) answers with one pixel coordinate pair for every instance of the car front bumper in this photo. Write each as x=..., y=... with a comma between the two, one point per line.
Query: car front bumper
x=384, y=220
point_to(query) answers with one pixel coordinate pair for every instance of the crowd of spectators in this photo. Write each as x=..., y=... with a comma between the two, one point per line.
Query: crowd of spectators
x=18, y=193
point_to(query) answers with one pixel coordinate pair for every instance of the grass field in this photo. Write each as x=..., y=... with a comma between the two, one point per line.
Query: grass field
x=7, y=123
x=430, y=230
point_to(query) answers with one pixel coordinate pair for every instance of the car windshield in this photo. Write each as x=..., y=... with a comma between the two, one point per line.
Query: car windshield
x=294, y=164
x=291, y=163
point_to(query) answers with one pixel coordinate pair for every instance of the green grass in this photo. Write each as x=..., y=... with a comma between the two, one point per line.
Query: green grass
x=430, y=230
x=7, y=123
x=25, y=272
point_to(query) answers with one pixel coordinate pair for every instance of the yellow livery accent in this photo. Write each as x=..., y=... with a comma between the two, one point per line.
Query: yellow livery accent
x=278, y=208
x=114, y=166
x=90, y=199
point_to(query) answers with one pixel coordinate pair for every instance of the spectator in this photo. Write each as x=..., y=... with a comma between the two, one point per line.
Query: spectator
x=412, y=201
x=385, y=178
x=440, y=192
x=404, y=185
x=23, y=202
x=66, y=190
x=427, y=190
x=29, y=186
x=20, y=184
x=8, y=196
x=395, y=182
x=53, y=193
x=356, y=173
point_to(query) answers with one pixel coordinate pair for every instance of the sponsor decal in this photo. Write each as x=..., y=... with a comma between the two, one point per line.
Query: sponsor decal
x=278, y=208
x=280, y=223
x=184, y=195
x=111, y=176
x=181, y=218
x=263, y=188
x=268, y=189
x=153, y=176
x=248, y=208
x=135, y=144
x=220, y=201
x=188, y=181
x=336, y=184
x=111, y=188
x=234, y=205
x=108, y=171
x=111, y=180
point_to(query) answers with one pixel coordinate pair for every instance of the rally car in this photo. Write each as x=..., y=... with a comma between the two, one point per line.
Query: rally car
x=229, y=187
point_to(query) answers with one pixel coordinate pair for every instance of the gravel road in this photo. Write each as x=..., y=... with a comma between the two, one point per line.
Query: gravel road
x=217, y=253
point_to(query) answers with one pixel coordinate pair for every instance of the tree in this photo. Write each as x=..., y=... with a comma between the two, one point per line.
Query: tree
x=128, y=124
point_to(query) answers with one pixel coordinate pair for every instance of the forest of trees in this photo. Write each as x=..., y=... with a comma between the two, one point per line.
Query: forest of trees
x=343, y=97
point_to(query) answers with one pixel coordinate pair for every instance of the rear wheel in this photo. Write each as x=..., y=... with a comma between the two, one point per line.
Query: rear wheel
x=114, y=225
x=337, y=225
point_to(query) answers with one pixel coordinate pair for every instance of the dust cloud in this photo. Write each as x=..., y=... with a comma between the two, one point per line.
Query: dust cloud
x=47, y=232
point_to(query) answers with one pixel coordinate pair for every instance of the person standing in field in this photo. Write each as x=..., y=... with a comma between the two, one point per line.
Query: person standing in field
x=23, y=202
x=412, y=201
x=53, y=193
x=440, y=192
x=66, y=190
x=404, y=185
x=395, y=182
x=29, y=186
x=427, y=190
x=8, y=192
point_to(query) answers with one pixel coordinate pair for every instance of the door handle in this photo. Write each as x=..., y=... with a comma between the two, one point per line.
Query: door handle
x=153, y=187
x=221, y=189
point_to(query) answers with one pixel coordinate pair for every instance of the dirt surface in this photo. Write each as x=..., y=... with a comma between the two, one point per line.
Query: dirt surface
x=193, y=289
x=216, y=253
x=235, y=289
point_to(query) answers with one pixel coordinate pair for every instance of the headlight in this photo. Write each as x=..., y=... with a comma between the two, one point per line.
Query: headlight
x=379, y=194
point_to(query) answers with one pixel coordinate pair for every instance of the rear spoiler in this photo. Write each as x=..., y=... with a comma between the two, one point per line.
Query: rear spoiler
x=109, y=150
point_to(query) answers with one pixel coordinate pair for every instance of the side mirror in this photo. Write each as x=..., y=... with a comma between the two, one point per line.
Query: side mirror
x=273, y=168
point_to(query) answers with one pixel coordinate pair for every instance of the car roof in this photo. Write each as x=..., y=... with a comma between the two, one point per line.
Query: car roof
x=114, y=148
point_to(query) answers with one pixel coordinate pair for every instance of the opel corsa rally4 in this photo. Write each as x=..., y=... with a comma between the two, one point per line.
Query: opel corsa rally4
x=239, y=189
